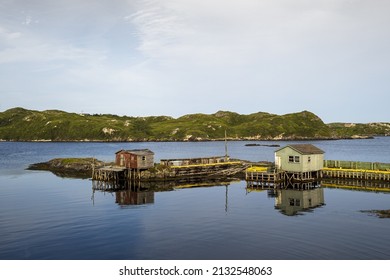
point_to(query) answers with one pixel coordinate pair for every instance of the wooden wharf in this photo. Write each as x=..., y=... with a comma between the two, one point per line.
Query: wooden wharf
x=182, y=172
x=260, y=176
x=280, y=178
x=115, y=174
x=208, y=169
x=109, y=173
x=356, y=174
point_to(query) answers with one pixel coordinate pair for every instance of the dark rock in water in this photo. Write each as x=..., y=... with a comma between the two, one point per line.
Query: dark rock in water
x=378, y=213
x=263, y=145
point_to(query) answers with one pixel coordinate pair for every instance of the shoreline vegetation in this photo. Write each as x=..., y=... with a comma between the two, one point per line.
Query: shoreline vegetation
x=22, y=125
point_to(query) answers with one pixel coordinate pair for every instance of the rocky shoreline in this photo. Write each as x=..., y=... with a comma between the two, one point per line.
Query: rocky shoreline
x=69, y=167
x=383, y=214
x=199, y=139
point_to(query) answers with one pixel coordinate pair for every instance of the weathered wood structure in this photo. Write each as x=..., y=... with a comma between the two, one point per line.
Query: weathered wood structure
x=194, y=161
x=138, y=165
x=361, y=165
x=135, y=159
x=357, y=174
x=262, y=176
x=128, y=166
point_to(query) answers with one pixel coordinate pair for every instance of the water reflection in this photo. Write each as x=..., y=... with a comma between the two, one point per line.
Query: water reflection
x=134, y=197
x=294, y=201
x=139, y=193
x=357, y=185
x=126, y=193
x=290, y=200
x=293, y=198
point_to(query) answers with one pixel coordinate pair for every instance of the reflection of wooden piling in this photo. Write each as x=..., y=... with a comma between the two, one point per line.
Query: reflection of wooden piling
x=366, y=185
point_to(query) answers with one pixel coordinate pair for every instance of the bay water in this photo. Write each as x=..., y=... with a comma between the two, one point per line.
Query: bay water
x=43, y=216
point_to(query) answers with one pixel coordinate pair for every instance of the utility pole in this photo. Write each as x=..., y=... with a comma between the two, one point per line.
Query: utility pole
x=226, y=149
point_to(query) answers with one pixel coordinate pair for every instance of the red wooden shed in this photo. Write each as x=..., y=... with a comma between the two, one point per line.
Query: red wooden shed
x=135, y=159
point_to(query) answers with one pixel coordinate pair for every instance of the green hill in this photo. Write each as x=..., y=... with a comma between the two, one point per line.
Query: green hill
x=20, y=124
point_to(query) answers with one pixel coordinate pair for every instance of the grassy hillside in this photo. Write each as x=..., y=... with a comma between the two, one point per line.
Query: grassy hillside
x=359, y=129
x=19, y=124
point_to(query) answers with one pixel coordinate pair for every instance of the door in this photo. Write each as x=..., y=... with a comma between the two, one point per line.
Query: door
x=278, y=162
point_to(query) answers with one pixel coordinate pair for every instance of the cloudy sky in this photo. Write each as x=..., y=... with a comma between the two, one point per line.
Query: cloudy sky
x=174, y=57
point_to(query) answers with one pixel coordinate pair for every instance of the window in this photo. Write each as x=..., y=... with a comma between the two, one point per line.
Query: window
x=294, y=159
x=143, y=158
x=294, y=202
x=309, y=159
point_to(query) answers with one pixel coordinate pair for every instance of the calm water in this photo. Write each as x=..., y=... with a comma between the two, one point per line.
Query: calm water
x=47, y=217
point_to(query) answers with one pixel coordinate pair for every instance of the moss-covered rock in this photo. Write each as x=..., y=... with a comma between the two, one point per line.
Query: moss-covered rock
x=69, y=167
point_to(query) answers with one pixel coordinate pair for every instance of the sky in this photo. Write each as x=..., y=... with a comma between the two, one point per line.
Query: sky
x=177, y=57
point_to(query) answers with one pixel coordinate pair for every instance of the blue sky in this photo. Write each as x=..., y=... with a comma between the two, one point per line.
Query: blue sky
x=175, y=57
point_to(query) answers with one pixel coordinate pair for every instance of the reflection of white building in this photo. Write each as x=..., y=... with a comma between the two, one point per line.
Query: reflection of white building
x=292, y=201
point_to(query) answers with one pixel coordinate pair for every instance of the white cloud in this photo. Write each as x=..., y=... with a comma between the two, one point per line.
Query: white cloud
x=181, y=56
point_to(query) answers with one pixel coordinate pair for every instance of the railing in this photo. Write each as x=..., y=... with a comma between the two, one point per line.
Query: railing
x=359, y=165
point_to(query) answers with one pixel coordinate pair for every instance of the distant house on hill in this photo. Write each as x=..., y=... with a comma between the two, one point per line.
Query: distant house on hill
x=299, y=158
x=135, y=159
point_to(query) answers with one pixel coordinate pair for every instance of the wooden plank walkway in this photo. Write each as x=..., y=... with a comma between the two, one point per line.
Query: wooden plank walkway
x=262, y=176
x=358, y=174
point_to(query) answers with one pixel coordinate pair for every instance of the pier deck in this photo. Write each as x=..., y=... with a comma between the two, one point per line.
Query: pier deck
x=357, y=174
x=262, y=176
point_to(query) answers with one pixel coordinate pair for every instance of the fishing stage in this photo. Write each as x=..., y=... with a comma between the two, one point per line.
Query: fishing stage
x=297, y=166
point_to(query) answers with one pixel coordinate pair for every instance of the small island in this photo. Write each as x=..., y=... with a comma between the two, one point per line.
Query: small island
x=70, y=167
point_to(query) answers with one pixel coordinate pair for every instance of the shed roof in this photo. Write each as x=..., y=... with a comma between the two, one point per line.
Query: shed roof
x=138, y=152
x=304, y=149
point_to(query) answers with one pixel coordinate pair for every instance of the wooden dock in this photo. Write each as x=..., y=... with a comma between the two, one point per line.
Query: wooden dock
x=162, y=172
x=266, y=176
x=356, y=174
x=262, y=176
x=220, y=169
x=115, y=174
x=108, y=174
x=258, y=176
